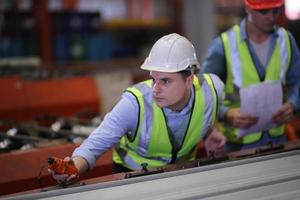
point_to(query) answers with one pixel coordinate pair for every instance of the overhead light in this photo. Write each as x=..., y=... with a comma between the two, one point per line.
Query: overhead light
x=292, y=9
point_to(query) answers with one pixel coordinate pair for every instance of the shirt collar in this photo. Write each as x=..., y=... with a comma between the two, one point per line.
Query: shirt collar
x=244, y=35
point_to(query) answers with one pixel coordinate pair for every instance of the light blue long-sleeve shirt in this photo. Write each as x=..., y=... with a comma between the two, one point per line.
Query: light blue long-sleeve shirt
x=215, y=63
x=123, y=120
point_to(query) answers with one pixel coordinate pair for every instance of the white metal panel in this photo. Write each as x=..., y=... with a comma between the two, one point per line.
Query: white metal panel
x=275, y=177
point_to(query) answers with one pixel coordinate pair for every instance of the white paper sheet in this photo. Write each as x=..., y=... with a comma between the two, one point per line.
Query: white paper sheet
x=261, y=100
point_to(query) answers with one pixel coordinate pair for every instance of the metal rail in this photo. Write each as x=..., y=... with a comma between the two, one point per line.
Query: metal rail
x=274, y=176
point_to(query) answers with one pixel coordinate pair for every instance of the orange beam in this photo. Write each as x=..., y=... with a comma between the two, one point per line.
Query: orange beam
x=13, y=100
x=62, y=97
x=26, y=100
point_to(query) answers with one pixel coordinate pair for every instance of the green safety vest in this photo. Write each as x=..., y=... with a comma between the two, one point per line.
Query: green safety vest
x=158, y=150
x=241, y=72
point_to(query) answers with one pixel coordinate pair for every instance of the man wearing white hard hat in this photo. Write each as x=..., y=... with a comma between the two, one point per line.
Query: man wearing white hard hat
x=159, y=121
x=251, y=53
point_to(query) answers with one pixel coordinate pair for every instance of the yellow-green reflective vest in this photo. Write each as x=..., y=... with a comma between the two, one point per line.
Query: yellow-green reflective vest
x=241, y=72
x=151, y=143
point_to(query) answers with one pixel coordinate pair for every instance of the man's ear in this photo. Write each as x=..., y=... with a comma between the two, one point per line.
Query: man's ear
x=190, y=79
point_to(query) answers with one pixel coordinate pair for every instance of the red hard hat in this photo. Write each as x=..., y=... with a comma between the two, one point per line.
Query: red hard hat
x=263, y=4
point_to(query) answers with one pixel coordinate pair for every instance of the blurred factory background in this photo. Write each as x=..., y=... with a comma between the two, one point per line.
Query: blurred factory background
x=65, y=63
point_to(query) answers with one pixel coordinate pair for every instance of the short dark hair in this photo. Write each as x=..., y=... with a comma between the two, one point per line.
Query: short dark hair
x=188, y=71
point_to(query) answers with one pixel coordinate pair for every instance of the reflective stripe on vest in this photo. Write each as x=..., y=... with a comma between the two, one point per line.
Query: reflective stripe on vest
x=151, y=143
x=241, y=72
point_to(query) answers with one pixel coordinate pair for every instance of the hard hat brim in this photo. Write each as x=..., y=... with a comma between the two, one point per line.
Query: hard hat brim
x=159, y=69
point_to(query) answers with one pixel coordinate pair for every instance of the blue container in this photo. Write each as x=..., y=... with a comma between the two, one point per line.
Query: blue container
x=60, y=22
x=15, y=47
x=4, y=46
x=78, y=22
x=77, y=47
x=61, y=48
x=99, y=47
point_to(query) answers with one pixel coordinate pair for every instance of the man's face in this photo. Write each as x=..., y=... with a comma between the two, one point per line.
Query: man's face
x=264, y=20
x=171, y=90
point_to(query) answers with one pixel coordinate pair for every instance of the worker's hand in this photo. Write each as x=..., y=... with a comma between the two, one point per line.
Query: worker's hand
x=64, y=179
x=237, y=119
x=215, y=142
x=284, y=114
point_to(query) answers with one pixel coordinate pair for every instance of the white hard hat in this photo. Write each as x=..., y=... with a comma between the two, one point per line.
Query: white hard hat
x=171, y=53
